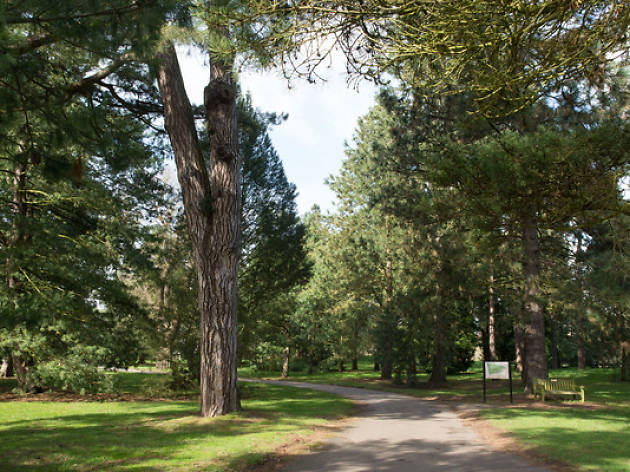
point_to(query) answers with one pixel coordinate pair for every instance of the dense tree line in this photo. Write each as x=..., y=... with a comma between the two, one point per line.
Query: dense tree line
x=481, y=202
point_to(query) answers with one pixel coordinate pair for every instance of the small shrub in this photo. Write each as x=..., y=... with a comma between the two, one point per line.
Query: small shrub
x=181, y=377
x=72, y=374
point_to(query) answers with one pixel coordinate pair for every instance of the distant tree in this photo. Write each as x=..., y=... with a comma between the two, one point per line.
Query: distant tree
x=555, y=176
x=273, y=262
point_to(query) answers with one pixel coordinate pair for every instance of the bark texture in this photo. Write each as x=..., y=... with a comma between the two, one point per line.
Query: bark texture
x=492, y=344
x=211, y=205
x=388, y=347
x=438, y=368
x=519, y=338
x=555, y=336
x=581, y=347
x=625, y=361
x=536, y=359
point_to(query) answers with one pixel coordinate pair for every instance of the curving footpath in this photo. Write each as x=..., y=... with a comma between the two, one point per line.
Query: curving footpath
x=403, y=434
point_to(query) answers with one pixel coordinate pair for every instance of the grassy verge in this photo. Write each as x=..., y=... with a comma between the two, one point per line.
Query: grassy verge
x=586, y=439
x=159, y=436
x=592, y=437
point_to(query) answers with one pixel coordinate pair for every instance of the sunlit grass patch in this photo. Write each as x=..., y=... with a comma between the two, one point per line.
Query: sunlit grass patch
x=152, y=436
x=591, y=439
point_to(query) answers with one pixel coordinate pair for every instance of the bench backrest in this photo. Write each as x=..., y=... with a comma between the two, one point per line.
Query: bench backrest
x=559, y=384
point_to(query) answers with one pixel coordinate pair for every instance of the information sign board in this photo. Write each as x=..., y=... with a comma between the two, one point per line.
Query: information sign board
x=498, y=370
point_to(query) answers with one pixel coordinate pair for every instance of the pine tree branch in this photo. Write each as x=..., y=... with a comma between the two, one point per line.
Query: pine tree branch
x=85, y=84
x=136, y=5
x=30, y=44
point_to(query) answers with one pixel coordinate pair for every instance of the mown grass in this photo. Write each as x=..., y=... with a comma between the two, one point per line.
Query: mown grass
x=158, y=435
x=596, y=439
x=463, y=386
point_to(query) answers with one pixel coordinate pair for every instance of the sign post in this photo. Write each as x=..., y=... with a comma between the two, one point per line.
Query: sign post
x=497, y=370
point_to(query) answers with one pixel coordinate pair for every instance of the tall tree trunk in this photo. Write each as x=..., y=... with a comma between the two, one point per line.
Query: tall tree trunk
x=285, y=362
x=412, y=370
x=580, y=328
x=22, y=367
x=536, y=359
x=377, y=366
x=555, y=354
x=519, y=339
x=492, y=346
x=19, y=237
x=580, y=340
x=355, y=363
x=625, y=361
x=438, y=371
x=388, y=348
x=211, y=205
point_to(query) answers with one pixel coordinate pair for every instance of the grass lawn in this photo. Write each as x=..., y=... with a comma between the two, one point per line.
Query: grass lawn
x=158, y=435
x=596, y=439
x=463, y=386
x=593, y=436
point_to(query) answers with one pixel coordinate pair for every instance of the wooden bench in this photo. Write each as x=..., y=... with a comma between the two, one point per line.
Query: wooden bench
x=564, y=387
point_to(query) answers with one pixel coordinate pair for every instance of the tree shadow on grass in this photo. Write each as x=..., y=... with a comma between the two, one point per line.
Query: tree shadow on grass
x=156, y=436
x=595, y=439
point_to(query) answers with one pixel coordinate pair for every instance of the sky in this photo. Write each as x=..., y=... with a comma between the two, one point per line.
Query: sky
x=322, y=117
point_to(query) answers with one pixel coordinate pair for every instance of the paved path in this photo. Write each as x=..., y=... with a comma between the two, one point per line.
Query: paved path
x=403, y=434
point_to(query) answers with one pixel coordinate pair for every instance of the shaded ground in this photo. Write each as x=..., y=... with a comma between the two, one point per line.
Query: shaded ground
x=397, y=433
x=55, y=436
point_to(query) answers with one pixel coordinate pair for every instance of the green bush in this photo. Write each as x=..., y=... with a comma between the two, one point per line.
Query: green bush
x=55, y=361
x=71, y=374
x=181, y=376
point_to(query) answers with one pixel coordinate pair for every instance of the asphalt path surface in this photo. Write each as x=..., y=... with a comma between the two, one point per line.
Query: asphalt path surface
x=403, y=434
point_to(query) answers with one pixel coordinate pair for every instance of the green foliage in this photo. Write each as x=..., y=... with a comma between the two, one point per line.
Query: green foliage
x=505, y=54
x=75, y=372
x=271, y=263
x=56, y=361
x=82, y=172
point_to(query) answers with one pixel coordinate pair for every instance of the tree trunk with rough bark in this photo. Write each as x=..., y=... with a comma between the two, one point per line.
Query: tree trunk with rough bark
x=625, y=361
x=22, y=367
x=19, y=237
x=387, y=360
x=580, y=322
x=555, y=353
x=355, y=363
x=438, y=371
x=492, y=345
x=581, y=344
x=536, y=359
x=211, y=205
x=519, y=339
